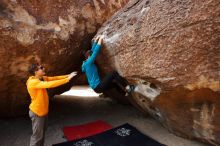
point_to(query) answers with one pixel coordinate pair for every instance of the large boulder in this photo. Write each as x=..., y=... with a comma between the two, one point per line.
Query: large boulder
x=51, y=32
x=171, y=50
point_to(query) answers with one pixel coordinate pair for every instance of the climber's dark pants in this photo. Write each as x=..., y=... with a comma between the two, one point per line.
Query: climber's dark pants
x=111, y=80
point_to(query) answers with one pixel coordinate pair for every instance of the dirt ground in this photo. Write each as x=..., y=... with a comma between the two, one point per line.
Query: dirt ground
x=67, y=110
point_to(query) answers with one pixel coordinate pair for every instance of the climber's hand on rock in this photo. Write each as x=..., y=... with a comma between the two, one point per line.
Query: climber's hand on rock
x=100, y=39
x=93, y=39
x=97, y=38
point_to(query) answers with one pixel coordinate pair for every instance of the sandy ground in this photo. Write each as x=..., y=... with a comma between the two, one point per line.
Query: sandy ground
x=66, y=111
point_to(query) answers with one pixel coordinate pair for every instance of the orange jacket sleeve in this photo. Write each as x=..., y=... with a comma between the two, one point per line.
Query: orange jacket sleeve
x=46, y=78
x=35, y=83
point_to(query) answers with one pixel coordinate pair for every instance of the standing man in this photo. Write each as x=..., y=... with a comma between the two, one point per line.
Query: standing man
x=91, y=71
x=36, y=86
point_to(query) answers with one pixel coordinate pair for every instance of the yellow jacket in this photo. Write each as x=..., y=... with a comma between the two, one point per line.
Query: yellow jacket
x=37, y=90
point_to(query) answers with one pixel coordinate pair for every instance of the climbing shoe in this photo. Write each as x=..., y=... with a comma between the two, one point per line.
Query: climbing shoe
x=129, y=89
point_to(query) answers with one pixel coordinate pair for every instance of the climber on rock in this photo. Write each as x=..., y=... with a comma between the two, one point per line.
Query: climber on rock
x=90, y=69
x=36, y=86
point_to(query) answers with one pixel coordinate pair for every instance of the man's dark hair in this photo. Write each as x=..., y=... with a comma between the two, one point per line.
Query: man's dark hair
x=32, y=68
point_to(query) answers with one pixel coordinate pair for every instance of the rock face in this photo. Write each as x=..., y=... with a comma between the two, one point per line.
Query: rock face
x=171, y=50
x=51, y=32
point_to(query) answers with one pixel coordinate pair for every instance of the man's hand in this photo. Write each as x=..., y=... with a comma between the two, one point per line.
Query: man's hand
x=71, y=75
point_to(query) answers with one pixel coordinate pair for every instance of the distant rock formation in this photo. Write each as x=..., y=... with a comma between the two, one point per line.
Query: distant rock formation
x=171, y=49
x=51, y=32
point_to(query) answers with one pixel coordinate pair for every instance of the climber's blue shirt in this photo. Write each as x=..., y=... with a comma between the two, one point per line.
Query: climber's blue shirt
x=90, y=68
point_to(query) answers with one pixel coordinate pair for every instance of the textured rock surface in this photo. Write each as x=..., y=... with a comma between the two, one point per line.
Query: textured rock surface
x=171, y=49
x=51, y=32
